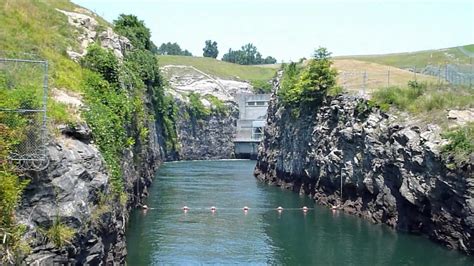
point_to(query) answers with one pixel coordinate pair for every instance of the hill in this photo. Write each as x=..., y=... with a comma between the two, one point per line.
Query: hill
x=351, y=75
x=420, y=59
x=220, y=69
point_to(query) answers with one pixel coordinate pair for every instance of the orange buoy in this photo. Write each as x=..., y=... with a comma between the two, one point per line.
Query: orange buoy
x=305, y=209
x=245, y=208
x=213, y=209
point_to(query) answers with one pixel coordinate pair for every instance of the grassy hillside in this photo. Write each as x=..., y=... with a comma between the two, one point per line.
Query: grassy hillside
x=377, y=75
x=419, y=59
x=219, y=68
x=34, y=29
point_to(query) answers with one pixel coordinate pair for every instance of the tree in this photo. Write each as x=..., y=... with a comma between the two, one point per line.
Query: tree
x=172, y=49
x=135, y=30
x=310, y=84
x=210, y=49
x=247, y=55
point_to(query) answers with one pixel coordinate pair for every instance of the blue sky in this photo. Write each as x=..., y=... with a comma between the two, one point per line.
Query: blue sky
x=289, y=30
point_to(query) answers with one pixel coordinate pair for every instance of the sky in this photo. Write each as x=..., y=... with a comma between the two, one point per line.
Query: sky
x=292, y=29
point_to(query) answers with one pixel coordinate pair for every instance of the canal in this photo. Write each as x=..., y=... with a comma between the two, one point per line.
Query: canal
x=165, y=234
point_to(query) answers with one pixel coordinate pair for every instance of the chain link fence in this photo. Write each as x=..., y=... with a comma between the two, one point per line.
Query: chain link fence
x=364, y=83
x=23, y=102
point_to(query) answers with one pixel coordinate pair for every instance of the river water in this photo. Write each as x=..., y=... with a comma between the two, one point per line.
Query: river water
x=165, y=234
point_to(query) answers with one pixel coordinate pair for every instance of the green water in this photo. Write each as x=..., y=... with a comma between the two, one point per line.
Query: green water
x=167, y=235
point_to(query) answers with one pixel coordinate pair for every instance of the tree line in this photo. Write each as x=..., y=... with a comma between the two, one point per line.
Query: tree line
x=247, y=55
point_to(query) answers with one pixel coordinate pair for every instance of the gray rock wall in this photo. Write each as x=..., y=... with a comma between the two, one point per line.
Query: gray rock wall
x=206, y=138
x=391, y=171
x=76, y=189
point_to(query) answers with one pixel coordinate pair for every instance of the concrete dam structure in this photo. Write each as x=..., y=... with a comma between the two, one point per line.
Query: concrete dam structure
x=252, y=117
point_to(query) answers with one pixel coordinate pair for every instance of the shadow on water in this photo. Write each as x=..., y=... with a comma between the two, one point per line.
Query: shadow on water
x=164, y=234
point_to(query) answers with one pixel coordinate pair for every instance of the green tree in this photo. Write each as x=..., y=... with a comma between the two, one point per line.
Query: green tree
x=172, y=49
x=210, y=49
x=310, y=84
x=135, y=30
x=247, y=55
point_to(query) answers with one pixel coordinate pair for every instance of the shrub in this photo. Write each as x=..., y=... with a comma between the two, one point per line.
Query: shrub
x=196, y=107
x=102, y=61
x=59, y=234
x=261, y=86
x=217, y=105
x=461, y=143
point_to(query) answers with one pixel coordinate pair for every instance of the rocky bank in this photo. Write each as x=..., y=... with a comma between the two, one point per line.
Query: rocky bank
x=390, y=168
x=76, y=189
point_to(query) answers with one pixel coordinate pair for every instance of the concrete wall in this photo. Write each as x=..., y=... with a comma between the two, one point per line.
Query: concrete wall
x=252, y=108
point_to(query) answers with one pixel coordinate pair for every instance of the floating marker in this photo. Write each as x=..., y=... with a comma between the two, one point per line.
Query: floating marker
x=245, y=208
x=213, y=209
x=145, y=207
x=280, y=209
x=305, y=209
x=185, y=208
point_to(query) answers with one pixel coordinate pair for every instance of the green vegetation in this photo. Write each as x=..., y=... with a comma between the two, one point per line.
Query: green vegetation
x=210, y=49
x=217, y=105
x=308, y=85
x=135, y=30
x=454, y=55
x=461, y=143
x=59, y=233
x=247, y=55
x=11, y=189
x=221, y=69
x=172, y=49
x=196, y=107
x=261, y=86
x=115, y=95
x=420, y=98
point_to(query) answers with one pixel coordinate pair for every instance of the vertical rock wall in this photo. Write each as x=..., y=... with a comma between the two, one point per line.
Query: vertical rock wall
x=391, y=169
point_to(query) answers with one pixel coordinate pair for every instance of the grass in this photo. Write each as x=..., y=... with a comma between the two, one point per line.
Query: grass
x=419, y=98
x=219, y=68
x=419, y=59
x=377, y=75
x=461, y=143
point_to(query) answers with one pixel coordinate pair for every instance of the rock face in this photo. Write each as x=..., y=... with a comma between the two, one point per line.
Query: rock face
x=208, y=138
x=89, y=31
x=76, y=190
x=391, y=172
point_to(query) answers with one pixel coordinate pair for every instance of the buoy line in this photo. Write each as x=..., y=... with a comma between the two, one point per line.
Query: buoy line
x=244, y=208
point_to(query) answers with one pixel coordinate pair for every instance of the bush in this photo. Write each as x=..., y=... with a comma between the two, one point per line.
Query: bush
x=217, y=105
x=196, y=107
x=102, y=61
x=461, y=143
x=261, y=86
x=59, y=234
x=417, y=98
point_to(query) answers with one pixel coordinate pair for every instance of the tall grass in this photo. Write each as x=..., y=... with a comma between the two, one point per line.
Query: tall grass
x=421, y=98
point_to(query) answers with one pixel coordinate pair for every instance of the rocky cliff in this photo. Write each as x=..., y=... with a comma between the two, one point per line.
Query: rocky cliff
x=75, y=189
x=208, y=138
x=389, y=168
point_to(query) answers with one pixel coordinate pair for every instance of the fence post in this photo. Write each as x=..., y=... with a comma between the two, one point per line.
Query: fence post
x=364, y=81
x=446, y=72
x=388, y=77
